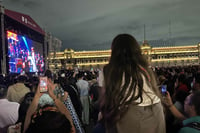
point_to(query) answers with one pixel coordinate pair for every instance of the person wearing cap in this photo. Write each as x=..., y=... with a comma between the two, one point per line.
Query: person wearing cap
x=8, y=111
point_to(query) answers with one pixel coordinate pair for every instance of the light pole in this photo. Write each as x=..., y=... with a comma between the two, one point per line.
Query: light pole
x=3, y=59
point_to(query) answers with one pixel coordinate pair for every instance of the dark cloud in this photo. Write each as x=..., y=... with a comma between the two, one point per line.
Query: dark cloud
x=16, y=1
x=90, y=24
x=31, y=4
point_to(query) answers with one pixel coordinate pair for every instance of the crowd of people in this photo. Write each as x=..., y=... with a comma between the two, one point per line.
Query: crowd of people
x=126, y=95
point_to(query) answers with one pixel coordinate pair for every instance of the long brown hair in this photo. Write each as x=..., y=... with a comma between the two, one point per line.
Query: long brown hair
x=122, y=76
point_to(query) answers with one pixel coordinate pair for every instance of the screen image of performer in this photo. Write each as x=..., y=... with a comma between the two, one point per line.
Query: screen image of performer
x=25, y=55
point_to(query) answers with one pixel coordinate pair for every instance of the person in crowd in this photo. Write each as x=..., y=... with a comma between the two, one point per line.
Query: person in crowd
x=191, y=119
x=59, y=107
x=73, y=93
x=173, y=124
x=46, y=99
x=83, y=87
x=17, y=91
x=181, y=83
x=161, y=80
x=179, y=99
x=130, y=98
x=34, y=81
x=28, y=98
x=10, y=79
x=94, y=105
x=196, y=83
x=8, y=110
x=49, y=120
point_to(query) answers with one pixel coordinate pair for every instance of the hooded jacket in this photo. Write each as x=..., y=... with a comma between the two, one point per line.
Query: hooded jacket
x=16, y=92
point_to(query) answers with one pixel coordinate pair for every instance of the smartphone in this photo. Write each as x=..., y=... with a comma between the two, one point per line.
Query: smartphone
x=76, y=70
x=43, y=84
x=164, y=90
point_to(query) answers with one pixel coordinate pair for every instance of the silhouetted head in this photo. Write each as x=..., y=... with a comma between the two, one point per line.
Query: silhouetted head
x=48, y=74
x=192, y=104
x=126, y=50
x=182, y=78
x=21, y=79
x=3, y=91
x=49, y=120
x=80, y=75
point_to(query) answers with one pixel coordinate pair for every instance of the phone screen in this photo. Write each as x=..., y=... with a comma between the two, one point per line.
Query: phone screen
x=43, y=84
x=164, y=90
x=76, y=70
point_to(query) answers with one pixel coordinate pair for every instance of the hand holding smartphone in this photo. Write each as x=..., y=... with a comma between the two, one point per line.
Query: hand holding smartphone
x=43, y=85
x=164, y=90
x=76, y=70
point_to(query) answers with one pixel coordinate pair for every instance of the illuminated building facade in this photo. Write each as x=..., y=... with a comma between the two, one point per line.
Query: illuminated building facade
x=157, y=56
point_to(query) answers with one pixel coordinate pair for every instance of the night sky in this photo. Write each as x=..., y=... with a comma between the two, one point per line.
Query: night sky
x=92, y=24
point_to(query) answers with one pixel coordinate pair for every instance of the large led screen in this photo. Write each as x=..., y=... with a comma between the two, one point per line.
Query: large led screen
x=24, y=54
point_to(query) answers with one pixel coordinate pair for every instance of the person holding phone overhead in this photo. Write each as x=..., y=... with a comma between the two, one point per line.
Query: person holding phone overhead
x=53, y=97
x=130, y=98
x=40, y=119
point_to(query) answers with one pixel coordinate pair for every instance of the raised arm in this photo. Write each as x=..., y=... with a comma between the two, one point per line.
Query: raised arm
x=172, y=108
x=32, y=108
x=60, y=105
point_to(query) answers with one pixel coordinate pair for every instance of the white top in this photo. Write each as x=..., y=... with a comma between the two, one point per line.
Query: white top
x=83, y=87
x=8, y=113
x=149, y=92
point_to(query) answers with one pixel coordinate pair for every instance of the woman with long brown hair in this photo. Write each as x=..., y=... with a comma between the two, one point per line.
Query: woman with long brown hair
x=130, y=100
